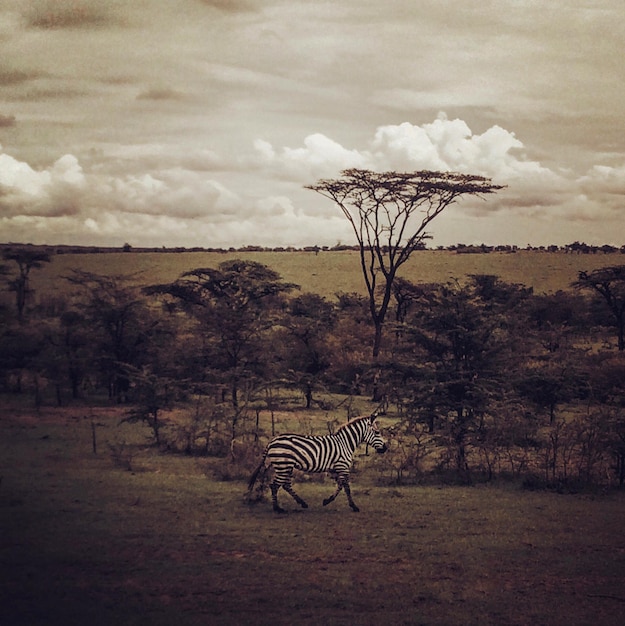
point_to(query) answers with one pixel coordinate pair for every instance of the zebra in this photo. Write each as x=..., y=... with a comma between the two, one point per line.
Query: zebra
x=321, y=453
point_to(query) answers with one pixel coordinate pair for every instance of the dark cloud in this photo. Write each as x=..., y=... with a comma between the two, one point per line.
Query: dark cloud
x=160, y=93
x=54, y=205
x=52, y=92
x=230, y=6
x=7, y=120
x=12, y=77
x=117, y=80
x=55, y=14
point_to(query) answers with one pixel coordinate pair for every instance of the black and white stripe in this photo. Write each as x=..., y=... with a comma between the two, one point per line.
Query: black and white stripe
x=323, y=453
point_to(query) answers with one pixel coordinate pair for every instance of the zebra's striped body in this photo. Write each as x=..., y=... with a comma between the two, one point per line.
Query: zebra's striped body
x=324, y=453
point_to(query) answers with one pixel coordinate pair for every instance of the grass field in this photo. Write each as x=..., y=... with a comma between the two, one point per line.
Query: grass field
x=85, y=542
x=331, y=272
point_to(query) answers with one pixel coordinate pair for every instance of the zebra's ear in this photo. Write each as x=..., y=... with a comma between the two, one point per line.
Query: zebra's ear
x=373, y=417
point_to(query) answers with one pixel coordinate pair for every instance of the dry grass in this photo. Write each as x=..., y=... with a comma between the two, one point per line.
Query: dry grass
x=329, y=273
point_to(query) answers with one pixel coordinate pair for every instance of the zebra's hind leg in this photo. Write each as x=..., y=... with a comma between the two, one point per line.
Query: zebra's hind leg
x=274, y=497
x=348, y=493
x=289, y=489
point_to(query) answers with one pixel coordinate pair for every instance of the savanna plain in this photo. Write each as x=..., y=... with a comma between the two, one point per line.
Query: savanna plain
x=332, y=272
x=97, y=526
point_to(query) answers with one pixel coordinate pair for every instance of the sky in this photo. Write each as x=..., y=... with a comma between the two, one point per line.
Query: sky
x=199, y=122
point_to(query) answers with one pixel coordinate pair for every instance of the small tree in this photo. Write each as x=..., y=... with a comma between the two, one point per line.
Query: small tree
x=550, y=383
x=153, y=395
x=21, y=347
x=609, y=283
x=464, y=363
x=237, y=307
x=389, y=213
x=26, y=260
x=120, y=325
x=306, y=350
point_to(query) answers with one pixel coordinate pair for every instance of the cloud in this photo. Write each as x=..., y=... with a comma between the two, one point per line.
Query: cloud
x=230, y=6
x=274, y=206
x=175, y=193
x=532, y=189
x=160, y=93
x=65, y=189
x=10, y=77
x=610, y=179
x=442, y=145
x=53, y=192
x=7, y=120
x=174, y=205
x=600, y=194
x=58, y=92
x=59, y=14
x=170, y=195
x=319, y=157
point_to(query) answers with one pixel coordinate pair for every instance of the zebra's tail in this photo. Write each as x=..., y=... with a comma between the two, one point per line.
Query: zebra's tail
x=257, y=471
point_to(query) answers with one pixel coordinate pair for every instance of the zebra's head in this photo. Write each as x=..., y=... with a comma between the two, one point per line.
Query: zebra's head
x=373, y=436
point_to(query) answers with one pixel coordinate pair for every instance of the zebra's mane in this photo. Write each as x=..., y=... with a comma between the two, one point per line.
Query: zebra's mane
x=352, y=421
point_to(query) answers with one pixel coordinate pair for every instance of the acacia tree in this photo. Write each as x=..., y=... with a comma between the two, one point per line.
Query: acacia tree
x=609, y=282
x=236, y=305
x=120, y=324
x=306, y=341
x=26, y=260
x=464, y=337
x=389, y=213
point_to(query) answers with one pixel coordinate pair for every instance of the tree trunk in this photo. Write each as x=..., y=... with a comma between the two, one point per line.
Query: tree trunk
x=377, y=339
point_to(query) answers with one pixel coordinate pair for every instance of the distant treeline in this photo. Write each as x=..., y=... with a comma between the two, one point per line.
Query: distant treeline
x=459, y=248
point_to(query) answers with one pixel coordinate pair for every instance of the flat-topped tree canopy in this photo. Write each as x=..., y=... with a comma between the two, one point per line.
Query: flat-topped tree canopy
x=389, y=213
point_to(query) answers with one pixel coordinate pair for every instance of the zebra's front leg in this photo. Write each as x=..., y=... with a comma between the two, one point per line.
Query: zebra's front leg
x=289, y=489
x=333, y=496
x=274, y=497
x=339, y=486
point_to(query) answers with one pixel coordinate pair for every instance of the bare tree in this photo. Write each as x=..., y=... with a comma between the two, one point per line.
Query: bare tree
x=389, y=213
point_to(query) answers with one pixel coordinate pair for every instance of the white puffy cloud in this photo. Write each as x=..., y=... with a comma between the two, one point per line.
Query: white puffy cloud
x=68, y=171
x=274, y=206
x=53, y=192
x=64, y=189
x=610, y=179
x=443, y=145
x=406, y=147
x=176, y=193
x=20, y=176
x=319, y=157
x=157, y=197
